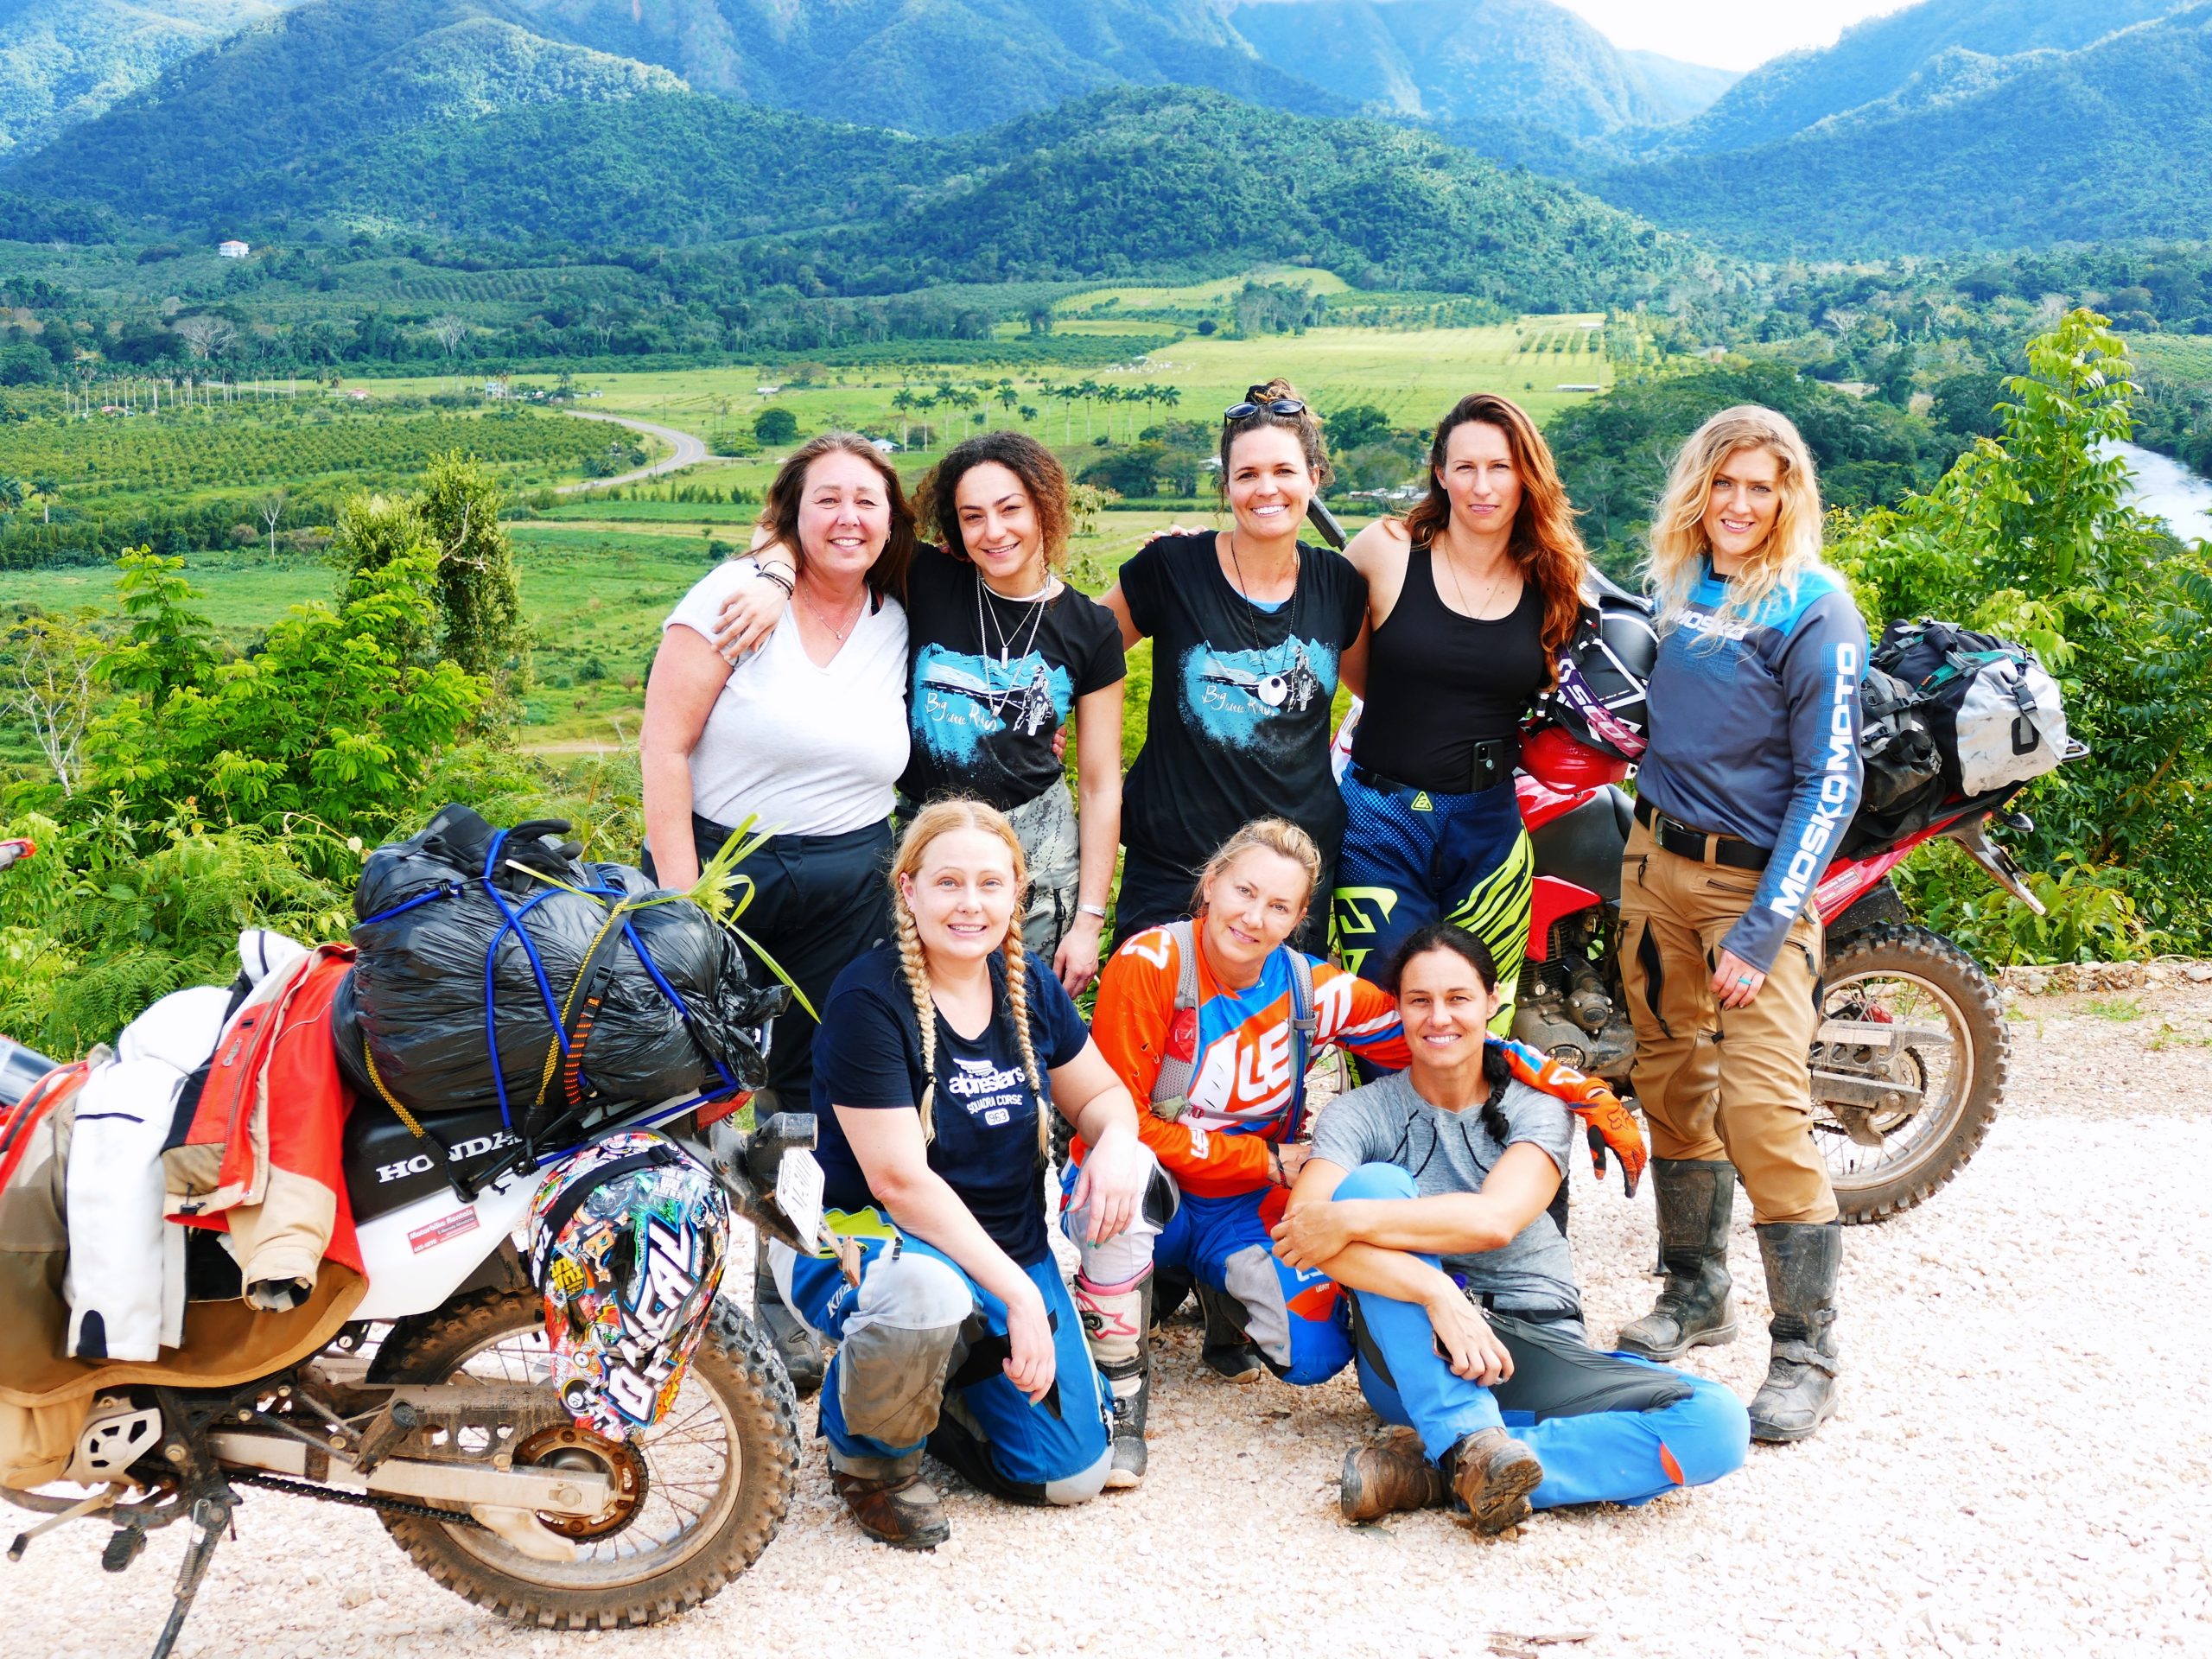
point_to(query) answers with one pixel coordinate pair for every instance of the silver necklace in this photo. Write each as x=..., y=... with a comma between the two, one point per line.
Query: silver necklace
x=1251, y=628
x=1036, y=602
x=836, y=633
x=1489, y=594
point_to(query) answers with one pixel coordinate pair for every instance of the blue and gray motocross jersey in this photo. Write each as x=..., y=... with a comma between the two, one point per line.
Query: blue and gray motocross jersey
x=1755, y=733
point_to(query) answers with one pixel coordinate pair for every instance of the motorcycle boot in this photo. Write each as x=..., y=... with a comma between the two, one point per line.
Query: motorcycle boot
x=1696, y=1201
x=1802, y=1261
x=1117, y=1325
x=1492, y=1474
x=1385, y=1479
x=1228, y=1352
x=796, y=1345
x=902, y=1510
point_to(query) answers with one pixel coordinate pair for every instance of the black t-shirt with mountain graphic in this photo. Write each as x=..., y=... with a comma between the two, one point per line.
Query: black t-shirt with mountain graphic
x=1239, y=719
x=990, y=680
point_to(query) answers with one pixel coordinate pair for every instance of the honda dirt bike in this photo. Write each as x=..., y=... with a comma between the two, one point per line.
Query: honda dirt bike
x=1911, y=1056
x=435, y=1405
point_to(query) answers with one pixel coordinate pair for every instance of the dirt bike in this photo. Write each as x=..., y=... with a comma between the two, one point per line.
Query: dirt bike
x=434, y=1405
x=1912, y=1054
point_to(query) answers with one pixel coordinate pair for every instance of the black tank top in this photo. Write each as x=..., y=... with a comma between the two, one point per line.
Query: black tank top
x=1438, y=683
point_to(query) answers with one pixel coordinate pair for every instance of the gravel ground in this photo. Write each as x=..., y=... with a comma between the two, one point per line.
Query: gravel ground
x=2022, y=1465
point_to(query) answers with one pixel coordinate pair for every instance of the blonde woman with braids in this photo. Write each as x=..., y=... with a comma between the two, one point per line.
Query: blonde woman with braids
x=936, y=1063
x=1751, y=775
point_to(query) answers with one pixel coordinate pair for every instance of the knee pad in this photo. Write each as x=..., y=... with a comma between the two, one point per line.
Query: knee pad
x=898, y=1348
x=1377, y=1181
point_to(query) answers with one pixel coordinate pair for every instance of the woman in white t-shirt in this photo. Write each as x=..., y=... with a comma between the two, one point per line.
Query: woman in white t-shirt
x=807, y=732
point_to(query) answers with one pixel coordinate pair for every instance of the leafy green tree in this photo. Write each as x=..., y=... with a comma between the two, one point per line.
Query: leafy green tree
x=2029, y=536
x=480, y=598
x=330, y=720
x=1350, y=428
x=775, y=425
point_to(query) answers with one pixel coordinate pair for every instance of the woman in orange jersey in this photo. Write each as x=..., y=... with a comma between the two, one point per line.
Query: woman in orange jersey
x=1213, y=1022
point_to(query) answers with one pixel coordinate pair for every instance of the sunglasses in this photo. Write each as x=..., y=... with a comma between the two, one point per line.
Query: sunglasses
x=1245, y=411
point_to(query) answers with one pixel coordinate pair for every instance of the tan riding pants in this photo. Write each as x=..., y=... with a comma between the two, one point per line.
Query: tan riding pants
x=1714, y=1082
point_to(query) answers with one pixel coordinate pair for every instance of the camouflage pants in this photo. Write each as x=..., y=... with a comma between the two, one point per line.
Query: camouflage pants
x=1046, y=827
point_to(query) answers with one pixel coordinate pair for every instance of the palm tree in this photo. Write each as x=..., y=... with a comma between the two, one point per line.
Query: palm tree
x=1007, y=396
x=903, y=401
x=46, y=486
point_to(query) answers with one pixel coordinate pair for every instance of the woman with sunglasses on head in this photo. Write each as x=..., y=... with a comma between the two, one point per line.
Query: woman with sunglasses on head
x=1002, y=652
x=1751, y=776
x=1252, y=630
x=1470, y=598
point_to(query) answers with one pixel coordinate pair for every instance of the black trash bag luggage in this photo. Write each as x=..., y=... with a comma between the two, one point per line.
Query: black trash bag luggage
x=666, y=1008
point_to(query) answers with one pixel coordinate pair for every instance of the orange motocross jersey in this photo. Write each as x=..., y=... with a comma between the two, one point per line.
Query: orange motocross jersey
x=1243, y=1092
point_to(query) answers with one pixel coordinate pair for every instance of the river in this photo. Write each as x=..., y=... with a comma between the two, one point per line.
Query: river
x=2170, y=490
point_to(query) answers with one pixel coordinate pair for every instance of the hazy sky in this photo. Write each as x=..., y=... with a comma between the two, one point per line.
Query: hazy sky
x=1729, y=33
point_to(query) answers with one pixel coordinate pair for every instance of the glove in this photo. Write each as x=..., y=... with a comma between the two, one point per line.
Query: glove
x=1607, y=1123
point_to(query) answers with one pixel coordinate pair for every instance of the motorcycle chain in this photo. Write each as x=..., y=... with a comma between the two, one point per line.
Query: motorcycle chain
x=354, y=1500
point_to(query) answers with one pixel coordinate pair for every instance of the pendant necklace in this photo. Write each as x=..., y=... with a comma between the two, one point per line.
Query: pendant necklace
x=1036, y=602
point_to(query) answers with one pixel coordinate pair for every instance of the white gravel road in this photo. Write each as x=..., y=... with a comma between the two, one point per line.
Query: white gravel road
x=2022, y=1465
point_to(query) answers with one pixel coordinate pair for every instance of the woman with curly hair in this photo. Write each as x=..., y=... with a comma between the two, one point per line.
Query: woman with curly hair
x=1470, y=598
x=939, y=1059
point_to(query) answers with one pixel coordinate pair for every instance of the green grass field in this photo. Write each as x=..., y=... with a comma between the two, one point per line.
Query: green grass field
x=1413, y=374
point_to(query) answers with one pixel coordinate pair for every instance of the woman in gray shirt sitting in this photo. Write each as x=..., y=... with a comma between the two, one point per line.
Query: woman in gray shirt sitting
x=1426, y=1197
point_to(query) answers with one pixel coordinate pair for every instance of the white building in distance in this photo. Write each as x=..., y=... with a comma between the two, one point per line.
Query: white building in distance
x=233, y=248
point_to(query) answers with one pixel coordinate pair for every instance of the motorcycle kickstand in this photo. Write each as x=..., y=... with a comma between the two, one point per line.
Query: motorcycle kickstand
x=211, y=1516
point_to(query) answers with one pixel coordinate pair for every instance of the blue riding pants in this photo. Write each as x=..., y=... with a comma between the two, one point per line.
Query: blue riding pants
x=917, y=1328
x=1589, y=1456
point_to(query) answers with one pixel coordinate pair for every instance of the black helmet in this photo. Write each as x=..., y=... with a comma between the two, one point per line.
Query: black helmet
x=1599, y=699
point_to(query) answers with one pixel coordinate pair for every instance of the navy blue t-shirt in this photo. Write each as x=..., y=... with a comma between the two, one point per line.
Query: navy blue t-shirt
x=867, y=1056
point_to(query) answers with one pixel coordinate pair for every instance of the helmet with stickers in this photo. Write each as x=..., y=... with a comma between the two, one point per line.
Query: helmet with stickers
x=627, y=1240
x=1603, y=673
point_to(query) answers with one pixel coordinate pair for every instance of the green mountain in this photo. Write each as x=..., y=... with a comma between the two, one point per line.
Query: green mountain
x=1173, y=176
x=1477, y=62
x=931, y=65
x=1130, y=180
x=320, y=78
x=62, y=61
x=1880, y=58
x=2109, y=142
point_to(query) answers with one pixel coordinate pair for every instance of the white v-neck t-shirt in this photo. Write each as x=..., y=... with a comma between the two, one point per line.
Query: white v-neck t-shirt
x=812, y=751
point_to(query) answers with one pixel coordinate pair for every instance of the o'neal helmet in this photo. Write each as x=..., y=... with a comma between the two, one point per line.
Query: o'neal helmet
x=627, y=1240
x=1602, y=671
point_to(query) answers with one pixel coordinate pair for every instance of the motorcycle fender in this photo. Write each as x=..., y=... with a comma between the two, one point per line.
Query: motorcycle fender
x=418, y=1255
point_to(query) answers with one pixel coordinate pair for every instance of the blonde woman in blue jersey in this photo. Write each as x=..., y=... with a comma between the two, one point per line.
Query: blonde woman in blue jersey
x=1751, y=776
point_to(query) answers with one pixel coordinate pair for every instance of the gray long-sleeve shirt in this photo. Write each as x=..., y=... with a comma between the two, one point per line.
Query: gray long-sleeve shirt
x=1755, y=733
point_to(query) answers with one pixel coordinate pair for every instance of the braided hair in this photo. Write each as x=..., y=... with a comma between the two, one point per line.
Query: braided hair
x=940, y=818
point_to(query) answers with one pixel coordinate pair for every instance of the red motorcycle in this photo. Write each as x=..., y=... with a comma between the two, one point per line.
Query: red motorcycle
x=1912, y=1051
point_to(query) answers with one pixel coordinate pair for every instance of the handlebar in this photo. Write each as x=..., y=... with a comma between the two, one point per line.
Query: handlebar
x=1317, y=515
x=21, y=847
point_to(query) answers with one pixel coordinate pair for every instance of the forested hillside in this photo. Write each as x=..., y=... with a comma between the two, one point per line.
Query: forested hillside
x=2112, y=142
x=62, y=61
x=1878, y=58
x=1123, y=182
x=1477, y=62
x=319, y=79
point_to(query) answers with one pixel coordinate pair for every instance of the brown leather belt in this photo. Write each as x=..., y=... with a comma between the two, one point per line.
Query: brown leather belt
x=1685, y=842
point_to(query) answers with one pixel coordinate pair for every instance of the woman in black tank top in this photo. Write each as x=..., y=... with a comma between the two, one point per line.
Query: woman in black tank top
x=1470, y=598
